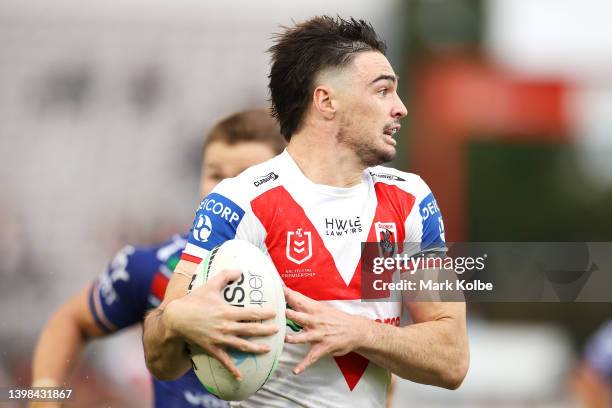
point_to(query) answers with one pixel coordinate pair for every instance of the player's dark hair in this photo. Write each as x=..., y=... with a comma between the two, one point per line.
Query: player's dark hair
x=300, y=53
x=255, y=125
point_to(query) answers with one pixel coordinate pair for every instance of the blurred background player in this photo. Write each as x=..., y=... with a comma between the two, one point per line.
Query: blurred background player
x=136, y=279
x=591, y=380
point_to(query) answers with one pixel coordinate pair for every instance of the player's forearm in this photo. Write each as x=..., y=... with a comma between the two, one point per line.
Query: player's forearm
x=165, y=353
x=59, y=349
x=434, y=352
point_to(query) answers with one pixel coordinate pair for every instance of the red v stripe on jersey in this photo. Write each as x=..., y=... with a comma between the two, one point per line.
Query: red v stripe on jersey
x=352, y=366
x=318, y=276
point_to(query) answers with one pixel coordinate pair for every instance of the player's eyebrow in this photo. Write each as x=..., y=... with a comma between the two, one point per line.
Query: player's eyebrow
x=385, y=77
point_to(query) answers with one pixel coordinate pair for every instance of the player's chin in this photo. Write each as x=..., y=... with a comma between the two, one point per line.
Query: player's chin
x=378, y=156
x=386, y=153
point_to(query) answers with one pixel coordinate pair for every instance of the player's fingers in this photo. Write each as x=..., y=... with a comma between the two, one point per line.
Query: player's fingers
x=251, y=329
x=224, y=358
x=223, y=278
x=315, y=353
x=244, y=345
x=251, y=313
x=297, y=301
x=303, y=337
x=303, y=319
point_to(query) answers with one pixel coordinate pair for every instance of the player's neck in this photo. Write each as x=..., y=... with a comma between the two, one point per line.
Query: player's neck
x=324, y=161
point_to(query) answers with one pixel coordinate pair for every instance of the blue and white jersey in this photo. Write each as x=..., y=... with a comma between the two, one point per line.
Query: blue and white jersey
x=134, y=283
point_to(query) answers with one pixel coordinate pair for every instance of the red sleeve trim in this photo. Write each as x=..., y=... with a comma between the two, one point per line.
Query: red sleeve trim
x=190, y=258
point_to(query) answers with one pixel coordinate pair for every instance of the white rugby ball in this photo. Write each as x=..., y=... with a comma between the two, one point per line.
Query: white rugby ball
x=259, y=286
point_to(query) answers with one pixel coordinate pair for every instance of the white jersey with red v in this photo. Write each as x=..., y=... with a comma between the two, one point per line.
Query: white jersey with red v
x=313, y=233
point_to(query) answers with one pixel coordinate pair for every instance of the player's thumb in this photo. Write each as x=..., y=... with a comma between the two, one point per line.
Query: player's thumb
x=224, y=278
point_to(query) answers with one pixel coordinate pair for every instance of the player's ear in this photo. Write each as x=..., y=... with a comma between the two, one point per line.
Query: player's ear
x=323, y=102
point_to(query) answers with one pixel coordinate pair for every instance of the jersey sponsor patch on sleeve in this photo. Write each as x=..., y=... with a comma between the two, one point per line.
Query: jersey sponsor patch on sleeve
x=216, y=221
x=433, y=226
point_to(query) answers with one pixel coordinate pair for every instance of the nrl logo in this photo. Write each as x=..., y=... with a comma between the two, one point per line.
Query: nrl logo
x=264, y=179
x=299, y=246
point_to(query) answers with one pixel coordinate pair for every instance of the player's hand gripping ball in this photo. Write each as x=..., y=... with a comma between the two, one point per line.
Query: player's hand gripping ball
x=259, y=286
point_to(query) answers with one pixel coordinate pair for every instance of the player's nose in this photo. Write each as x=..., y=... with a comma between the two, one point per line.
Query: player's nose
x=399, y=109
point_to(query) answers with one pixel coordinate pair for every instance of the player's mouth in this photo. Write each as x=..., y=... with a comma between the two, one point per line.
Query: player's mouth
x=390, y=132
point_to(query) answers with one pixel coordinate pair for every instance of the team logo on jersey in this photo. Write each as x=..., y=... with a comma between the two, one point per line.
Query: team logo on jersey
x=202, y=228
x=386, y=232
x=299, y=246
x=264, y=179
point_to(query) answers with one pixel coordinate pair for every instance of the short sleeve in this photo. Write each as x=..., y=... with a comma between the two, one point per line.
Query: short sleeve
x=218, y=218
x=118, y=298
x=424, y=225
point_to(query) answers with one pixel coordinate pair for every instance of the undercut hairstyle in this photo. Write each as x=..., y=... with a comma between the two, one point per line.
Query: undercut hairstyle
x=255, y=125
x=300, y=53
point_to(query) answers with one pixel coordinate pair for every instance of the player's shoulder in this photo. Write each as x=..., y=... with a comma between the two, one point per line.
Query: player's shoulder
x=148, y=258
x=409, y=182
x=170, y=247
x=253, y=181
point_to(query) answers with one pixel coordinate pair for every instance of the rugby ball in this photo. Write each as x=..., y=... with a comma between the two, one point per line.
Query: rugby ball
x=259, y=286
